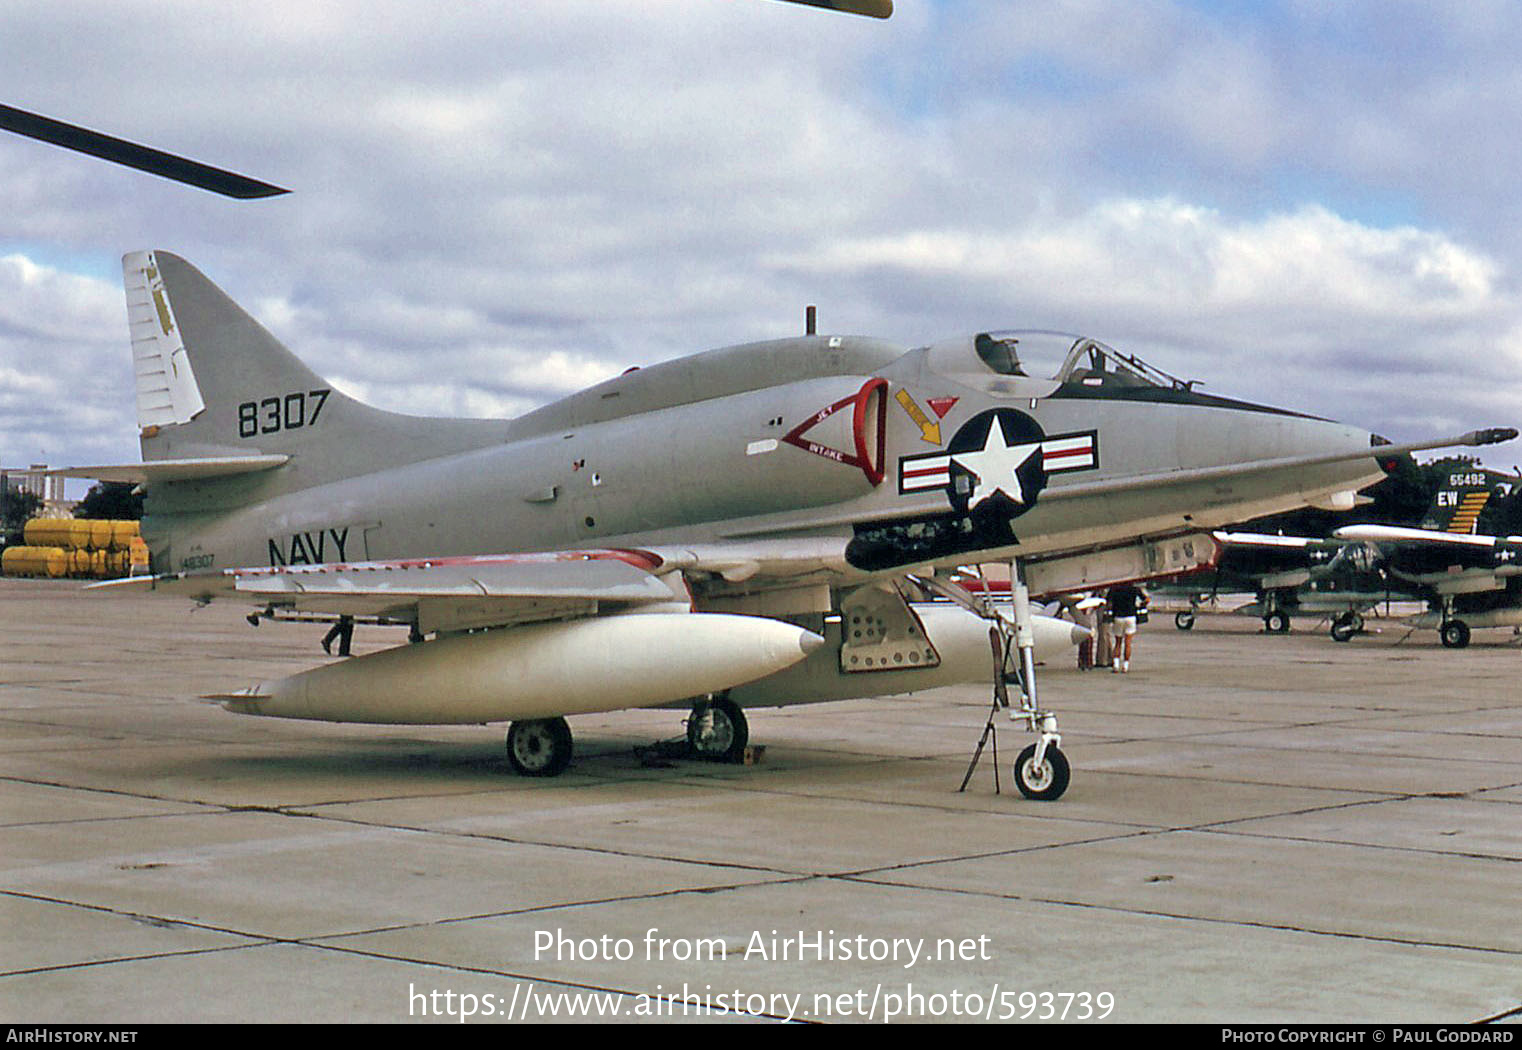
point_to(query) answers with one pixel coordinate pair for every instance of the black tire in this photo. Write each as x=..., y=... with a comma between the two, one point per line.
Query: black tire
x=1183, y=620
x=719, y=732
x=1455, y=634
x=1046, y=782
x=1276, y=623
x=1344, y=628
x=539, y=747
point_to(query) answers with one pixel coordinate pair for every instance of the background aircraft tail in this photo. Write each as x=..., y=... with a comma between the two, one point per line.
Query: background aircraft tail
x=214, y=385
x=1456, y=506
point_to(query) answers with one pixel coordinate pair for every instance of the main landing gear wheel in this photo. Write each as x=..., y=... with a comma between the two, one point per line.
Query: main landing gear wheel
x=1183, y=620
x=1276, y=623
x=540, y=747
x=1046, y=780
x=718, y=731
x=1455, y=634
x=1346, y=626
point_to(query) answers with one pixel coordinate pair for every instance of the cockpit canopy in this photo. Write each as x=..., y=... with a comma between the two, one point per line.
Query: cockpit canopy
x=1035, y=363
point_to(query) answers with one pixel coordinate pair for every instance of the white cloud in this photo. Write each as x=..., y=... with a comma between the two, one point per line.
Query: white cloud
x=497, y=206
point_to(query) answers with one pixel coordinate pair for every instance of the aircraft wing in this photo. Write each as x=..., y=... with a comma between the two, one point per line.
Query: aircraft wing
x=1448, y=562
x=1267, y=542
x=440, y=594
x=1429, y=537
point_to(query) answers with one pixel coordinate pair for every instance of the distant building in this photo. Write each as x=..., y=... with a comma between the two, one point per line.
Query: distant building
x=36, y=480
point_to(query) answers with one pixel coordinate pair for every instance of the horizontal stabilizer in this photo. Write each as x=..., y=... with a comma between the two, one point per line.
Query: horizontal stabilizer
x=159, y=470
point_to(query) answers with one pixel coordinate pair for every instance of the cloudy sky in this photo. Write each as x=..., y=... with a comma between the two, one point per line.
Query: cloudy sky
x=1307, y=204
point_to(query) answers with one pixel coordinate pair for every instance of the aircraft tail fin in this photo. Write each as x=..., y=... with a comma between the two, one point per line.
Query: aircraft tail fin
x=1457, y=505
x=211, y=382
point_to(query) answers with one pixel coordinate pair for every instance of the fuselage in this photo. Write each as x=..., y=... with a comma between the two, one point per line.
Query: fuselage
x=860, y=442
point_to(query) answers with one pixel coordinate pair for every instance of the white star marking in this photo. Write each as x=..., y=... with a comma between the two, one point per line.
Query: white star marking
x=996, y=465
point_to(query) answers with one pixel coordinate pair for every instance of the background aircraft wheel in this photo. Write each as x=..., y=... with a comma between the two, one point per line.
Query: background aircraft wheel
x=540, y=747
x=1183, y=620
x=1343, y=628
x=1455, y=634
x=1276, y=623
x=1045, y=782
x=719, y=732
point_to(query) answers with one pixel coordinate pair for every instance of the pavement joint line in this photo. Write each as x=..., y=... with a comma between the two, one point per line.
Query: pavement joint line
x=571, y=846
x=536, y=979
x=534, y=909
x=1222, y=827
x=1205, y=919
x=139, y=795
x=160, y=921
x=1355, y=844
x=94, y=820
x=318, y=940
x=889, y=804
x=115, y=960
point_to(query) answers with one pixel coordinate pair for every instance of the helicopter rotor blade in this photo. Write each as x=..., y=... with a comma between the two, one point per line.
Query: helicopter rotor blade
x=133, y=155
x=870, y=8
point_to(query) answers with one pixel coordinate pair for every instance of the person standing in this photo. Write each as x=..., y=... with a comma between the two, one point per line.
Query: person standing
x=343, y=630
x=1086, y=614
x=1125, y=601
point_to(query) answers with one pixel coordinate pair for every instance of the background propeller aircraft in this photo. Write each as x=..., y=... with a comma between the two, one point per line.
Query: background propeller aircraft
x=725, y=529
x=1290, y=576
x=1468, y=580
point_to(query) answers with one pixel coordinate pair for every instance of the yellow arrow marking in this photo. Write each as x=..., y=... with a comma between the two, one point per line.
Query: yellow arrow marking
x=929, y=431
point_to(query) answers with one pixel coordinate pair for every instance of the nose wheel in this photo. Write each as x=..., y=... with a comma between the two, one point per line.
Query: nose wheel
x=1042, y=776
x=1041, y=771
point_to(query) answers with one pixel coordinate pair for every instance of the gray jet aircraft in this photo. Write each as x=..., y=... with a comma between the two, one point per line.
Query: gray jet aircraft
x=726, y=530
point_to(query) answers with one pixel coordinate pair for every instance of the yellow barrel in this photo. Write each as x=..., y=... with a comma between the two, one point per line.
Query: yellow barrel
x=100, y=534
x=122, y=533
x=58, y=532
x=45, y=532
x=35, y=561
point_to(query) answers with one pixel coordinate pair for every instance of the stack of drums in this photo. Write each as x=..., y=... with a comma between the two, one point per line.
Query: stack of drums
x=59, y=547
